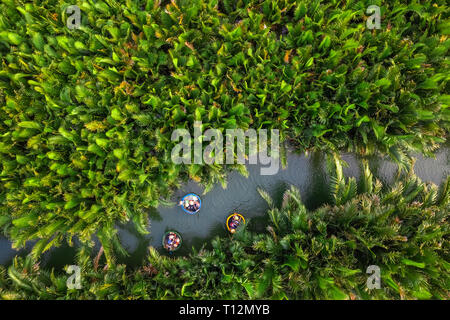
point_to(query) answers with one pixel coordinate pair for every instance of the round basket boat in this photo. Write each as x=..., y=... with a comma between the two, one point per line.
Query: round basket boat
x=241, y=220
x=165, y=240
x=187, y=198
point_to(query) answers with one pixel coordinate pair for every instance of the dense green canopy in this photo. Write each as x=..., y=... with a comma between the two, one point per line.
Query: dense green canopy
x=86, y=115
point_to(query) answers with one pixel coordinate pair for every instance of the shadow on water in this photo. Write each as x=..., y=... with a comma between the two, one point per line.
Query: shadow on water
x=308, y=174
x=318, y=190
x=59, y=257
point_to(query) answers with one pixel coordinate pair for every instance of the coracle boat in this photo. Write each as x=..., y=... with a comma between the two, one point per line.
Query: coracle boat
x=234, y=220
x=172, y=241
x=191, y=203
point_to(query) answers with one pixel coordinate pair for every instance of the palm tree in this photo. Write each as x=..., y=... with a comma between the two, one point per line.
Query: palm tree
x=320, y=254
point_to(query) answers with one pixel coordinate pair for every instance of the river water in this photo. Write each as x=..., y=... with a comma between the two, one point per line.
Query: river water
x=307, y=173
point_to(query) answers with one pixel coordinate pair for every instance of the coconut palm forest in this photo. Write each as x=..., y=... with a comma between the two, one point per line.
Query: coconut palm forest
x=92, y=91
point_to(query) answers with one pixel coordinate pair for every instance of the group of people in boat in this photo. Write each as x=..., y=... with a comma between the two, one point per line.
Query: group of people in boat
x=234, y=221
x=191, y=203
x=172, y=241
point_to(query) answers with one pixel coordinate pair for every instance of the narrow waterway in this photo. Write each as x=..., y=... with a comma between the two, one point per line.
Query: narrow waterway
x=309, y=174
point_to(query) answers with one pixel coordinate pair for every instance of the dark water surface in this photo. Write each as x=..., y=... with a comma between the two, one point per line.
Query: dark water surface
x=308, y=174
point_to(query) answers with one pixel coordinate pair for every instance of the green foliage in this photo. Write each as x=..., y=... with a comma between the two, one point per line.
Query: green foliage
x=321, y=254
x=86, y=115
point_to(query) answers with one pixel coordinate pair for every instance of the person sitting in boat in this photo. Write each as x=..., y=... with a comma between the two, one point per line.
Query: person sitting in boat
x=177, y=242
x=235, y=222
x=192, y=206
x=172, y=241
